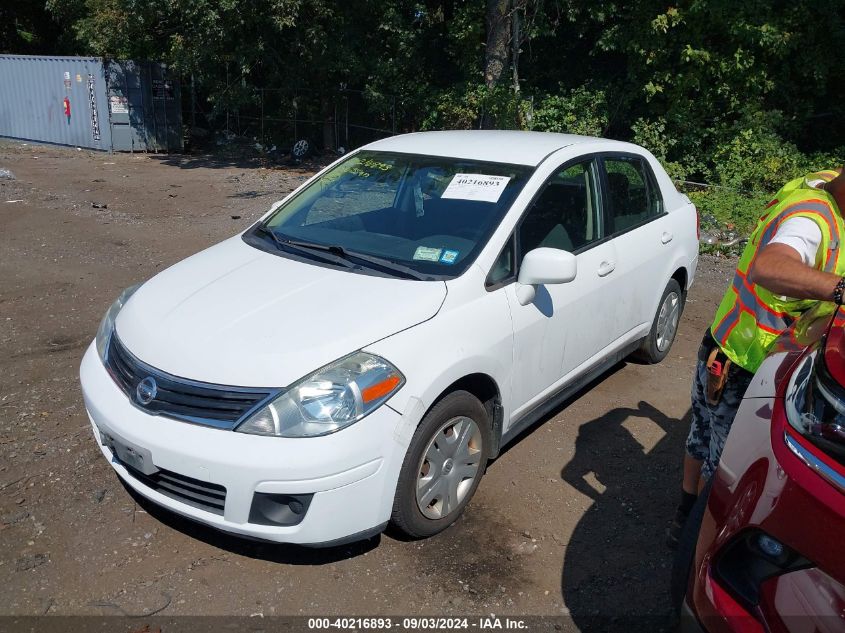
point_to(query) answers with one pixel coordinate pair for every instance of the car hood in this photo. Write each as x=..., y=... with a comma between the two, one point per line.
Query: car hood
x=235, y=315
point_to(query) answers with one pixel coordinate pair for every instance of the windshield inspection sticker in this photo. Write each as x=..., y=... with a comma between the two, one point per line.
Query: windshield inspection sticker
x=449, y=257
x=476, y=187
x=427, y=254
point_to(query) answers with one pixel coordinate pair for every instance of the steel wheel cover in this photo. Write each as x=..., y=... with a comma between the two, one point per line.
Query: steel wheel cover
x=449, y=467
x=667, y=321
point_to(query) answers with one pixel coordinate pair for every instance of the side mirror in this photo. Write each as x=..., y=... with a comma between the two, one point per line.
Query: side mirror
x=544, y=266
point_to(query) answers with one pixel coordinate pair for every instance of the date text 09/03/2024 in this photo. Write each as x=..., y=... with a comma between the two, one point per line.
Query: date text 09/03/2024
x=481, y=623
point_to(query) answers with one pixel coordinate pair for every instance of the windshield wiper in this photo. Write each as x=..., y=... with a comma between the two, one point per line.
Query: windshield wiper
x=315, y=246
x=326, y=254
x=389, y=264
x=373, y=260
x=338, y=254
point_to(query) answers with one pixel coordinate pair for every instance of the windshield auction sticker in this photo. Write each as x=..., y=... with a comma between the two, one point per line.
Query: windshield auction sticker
x=476, y=187
x=427, y=254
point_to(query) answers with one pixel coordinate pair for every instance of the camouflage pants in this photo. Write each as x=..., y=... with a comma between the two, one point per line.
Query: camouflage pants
x=711, y=423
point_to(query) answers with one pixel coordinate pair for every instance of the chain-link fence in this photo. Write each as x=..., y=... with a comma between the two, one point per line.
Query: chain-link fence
x=278, y=118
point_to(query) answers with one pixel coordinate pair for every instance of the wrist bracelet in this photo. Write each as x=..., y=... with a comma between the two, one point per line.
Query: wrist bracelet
x=838, y=291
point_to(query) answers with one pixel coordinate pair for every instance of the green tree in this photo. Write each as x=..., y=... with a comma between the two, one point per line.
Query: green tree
x=26, y=27
x=741, y=94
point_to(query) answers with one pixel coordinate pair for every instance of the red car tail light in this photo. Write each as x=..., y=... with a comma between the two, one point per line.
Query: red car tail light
x=815, y=397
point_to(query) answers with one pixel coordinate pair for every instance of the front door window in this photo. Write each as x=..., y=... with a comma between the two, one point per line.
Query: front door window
x=566, y=214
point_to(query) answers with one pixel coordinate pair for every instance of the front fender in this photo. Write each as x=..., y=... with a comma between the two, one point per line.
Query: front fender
x=474, y=337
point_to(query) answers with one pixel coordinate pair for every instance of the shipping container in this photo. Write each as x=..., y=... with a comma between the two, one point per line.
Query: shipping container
x=90, y=102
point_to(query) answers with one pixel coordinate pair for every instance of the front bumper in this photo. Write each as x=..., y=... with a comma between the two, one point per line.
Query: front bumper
x=761, y=486
x=688, y=622
x=352, y=474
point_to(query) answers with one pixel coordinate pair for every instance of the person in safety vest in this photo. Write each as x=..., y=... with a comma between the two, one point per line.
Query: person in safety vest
x=793, y=260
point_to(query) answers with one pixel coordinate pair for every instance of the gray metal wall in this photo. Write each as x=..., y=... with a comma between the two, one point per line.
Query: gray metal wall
x=114, y=105
x=145, y=102
x=32, y=93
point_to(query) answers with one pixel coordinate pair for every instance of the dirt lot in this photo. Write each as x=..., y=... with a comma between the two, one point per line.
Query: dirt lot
x=568, y=521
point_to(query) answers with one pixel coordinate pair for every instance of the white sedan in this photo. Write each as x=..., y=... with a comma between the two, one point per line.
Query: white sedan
x=358, y=355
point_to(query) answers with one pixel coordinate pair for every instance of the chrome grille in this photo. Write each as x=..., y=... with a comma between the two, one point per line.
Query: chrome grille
x=219, y=406
x=196, y=493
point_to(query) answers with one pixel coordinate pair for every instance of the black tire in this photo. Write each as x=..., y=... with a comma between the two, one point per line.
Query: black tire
x=407, y=516
x=685, y=554
x=650, y=351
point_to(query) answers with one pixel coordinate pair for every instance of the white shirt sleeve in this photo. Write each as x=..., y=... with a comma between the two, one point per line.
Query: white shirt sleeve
x=803, y=235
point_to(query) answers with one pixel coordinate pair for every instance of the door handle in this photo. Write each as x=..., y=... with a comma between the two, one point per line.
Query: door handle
x=666, y=237
x=605, y=268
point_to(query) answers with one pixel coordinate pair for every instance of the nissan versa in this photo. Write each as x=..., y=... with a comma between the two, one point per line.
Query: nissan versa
x=358, y=355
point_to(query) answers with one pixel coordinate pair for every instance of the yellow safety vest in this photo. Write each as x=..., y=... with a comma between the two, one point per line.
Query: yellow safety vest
x=750, y=318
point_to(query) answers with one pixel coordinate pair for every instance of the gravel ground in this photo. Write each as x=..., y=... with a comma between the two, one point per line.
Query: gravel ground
x=569, y=521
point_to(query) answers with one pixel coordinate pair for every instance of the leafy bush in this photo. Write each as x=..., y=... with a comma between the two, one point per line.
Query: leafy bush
x=755, y=157
x=721, y=209
x=826, y=160
x=747, y=162
x=578, y=111
x=652, y=135
x=465, y=106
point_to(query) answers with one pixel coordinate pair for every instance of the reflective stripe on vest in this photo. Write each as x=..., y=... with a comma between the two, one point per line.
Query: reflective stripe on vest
x=767, y=318
x=805, y=206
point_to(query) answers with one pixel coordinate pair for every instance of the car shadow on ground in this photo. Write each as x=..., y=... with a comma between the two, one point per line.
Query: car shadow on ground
x=262, y=550
x=617, y=566
x=562, y=406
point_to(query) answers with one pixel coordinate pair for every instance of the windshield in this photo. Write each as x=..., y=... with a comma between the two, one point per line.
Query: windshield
x=429, y=214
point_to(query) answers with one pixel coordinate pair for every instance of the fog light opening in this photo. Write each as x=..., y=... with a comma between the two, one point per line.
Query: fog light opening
x=279, y=509
x=770, y=546
x=751, y=558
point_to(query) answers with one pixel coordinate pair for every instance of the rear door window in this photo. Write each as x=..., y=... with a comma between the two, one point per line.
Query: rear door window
x=633, y=195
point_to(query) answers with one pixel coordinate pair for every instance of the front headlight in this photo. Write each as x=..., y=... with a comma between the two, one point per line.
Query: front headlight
x=328, y=400
x=107, y=324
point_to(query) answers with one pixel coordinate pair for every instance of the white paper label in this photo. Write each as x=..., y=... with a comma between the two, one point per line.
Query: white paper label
x=119, y=105
x=476, y=187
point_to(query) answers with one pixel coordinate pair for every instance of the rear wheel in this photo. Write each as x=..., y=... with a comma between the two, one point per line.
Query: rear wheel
x=443, y=466
x=659, y=341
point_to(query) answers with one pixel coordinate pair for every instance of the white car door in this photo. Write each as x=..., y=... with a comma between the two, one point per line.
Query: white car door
x=642, y=232
x=567, y=325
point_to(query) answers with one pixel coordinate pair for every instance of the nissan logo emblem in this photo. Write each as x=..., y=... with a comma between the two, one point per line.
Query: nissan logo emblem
x=147, y=390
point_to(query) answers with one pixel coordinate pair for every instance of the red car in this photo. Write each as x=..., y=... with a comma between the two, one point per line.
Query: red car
x=764, y=548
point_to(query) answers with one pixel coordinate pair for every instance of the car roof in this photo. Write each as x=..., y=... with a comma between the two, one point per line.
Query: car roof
x=498, y=146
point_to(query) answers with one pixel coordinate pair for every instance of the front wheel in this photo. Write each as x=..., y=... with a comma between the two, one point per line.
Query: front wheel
x=443, y=466
x=659, y=341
